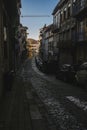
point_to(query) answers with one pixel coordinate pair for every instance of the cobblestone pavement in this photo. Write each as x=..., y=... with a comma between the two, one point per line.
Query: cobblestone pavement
x=19, y=109
x=66, y=104
x=40, y=102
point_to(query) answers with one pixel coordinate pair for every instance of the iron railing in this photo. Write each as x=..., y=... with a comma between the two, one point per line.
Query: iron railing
x=79, y=6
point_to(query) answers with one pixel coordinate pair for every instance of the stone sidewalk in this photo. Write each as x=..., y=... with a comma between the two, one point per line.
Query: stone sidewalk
x=19, y=110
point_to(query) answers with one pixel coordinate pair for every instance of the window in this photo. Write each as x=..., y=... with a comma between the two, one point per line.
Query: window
x=54, y=20
x=5, y=34
x=81, y=26
x=74, y=1
x=69, y=10
x=82, y=3
x=64, y=13
x=61, y=17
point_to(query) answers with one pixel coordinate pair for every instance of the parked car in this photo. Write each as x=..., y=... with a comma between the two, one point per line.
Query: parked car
x=81, y=74
x=50, y=67
x=39, y=63
x=66, y=73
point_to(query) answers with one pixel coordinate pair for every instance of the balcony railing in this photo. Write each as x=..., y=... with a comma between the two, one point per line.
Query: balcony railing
x=55, y=29
x=79, y=7
x=81, y=36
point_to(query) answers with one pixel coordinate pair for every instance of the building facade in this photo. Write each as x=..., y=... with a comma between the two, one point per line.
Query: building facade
x=46, y=43
x=9, y=18
x=65, y=31
x=69, y=32
x=79, y=12
x=32, y=47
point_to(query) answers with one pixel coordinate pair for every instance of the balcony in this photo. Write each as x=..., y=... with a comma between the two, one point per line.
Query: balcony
x=41, y=34
x=79, y=8
x=65, y=43
x=55, y=29
x=82, y=37
x=62, y=2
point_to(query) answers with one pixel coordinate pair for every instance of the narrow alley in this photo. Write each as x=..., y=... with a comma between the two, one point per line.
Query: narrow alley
x=43, y=65
x=40, y=102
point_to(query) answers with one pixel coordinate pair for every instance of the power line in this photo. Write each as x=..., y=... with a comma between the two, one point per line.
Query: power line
x=35, y=16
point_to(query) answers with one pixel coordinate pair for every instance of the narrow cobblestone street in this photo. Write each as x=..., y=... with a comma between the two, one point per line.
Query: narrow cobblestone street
x=43, y=65
x=40, y=102
x=19, y=109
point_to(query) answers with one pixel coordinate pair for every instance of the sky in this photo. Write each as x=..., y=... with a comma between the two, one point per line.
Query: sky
x=37, y=7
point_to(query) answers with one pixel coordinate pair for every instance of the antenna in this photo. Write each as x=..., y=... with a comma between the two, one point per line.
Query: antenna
x=35, y=16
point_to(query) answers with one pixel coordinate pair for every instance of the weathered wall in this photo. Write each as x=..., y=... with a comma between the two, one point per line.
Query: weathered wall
x=1, y=48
